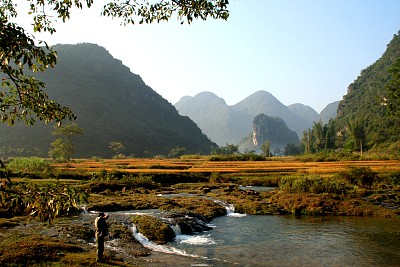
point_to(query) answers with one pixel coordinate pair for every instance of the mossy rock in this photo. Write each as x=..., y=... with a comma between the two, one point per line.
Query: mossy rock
x=154, y=229
x=258, y=208
x=209, y=209
x=122, y=232
x=133, y=201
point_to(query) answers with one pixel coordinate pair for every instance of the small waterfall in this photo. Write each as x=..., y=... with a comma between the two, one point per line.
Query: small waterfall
x=160, y=248
x=177, y=229
x=83, y=209
x=230, y=209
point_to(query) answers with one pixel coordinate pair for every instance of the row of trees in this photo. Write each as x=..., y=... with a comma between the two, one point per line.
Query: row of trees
x=320, y=136
x=328, y=136
x=323, y=137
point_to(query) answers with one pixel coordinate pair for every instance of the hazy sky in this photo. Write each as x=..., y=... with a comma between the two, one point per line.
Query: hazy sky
x=301, y=51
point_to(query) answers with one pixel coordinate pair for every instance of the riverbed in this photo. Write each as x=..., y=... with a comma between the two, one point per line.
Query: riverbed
x=250, y=240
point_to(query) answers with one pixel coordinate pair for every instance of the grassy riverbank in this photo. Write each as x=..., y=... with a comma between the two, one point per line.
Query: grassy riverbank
x=342, y=188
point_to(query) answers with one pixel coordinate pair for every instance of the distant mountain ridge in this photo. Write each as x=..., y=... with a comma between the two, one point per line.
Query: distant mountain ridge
x=220, y=122
x=112, y=104
x=329, y=112
x=305, y=112
x=231, y=124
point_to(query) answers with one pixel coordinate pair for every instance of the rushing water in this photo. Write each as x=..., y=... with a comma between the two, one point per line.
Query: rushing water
x=247, y=240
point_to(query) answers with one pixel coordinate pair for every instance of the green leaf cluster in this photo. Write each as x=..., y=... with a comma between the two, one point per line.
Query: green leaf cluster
x=22, y=96
x=132, y=11
x=45, y=201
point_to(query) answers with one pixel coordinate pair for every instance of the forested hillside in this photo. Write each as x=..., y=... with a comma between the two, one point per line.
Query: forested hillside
x=362, y=114
x=112, y=104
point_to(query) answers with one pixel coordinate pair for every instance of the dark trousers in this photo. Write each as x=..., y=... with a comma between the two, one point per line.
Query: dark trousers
x=100, y=248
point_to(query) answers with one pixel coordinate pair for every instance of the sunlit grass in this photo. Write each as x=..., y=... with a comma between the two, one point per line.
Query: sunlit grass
x=203, y=165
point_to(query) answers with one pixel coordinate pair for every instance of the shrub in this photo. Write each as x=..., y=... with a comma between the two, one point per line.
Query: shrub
x=361, y=176
x=316, y=185
x=329, y=156
x=143, y=181
x=29, y=165
x=217, y=177
x=46, y=201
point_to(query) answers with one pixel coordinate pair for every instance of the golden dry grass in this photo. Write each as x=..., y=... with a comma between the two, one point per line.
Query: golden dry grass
x=204, y=165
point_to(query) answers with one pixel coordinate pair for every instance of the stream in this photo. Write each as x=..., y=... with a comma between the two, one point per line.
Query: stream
x=249, y=240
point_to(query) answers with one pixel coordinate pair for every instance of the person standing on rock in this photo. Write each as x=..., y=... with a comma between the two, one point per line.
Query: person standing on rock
x=101, y=229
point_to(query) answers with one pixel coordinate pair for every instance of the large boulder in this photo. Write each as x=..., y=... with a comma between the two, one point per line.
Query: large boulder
x=187, y=223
